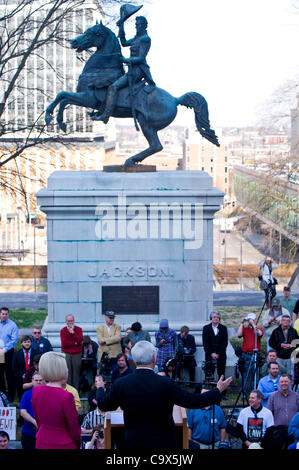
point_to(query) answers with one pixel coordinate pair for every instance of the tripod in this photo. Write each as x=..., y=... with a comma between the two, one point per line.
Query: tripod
x=242, y=394
x=253, y=369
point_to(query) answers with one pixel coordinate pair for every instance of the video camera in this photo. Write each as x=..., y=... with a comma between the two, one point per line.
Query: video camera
x=240, y=364
x=209, y=368
x=106, y=365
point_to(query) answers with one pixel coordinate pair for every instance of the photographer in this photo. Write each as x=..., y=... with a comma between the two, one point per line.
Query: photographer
x=186, y=349
x=251, y=334
x=215, y=341
x=267, y=281
x=97, y=440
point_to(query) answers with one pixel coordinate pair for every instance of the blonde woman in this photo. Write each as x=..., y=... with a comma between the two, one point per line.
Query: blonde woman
x=54, y=408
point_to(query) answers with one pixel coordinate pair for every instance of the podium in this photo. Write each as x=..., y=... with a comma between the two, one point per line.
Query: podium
x=114, y=420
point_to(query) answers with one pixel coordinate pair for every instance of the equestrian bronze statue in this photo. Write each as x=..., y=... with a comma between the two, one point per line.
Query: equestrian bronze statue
x=106, y=88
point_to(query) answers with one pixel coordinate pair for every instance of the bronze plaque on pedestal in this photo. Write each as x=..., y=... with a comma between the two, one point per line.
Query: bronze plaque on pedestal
x=131, y=300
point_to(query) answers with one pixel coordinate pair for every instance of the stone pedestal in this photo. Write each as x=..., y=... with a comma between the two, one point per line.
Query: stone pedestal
x=129, y=229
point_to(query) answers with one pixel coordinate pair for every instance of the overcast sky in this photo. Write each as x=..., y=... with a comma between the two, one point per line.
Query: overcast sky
x=233, y=52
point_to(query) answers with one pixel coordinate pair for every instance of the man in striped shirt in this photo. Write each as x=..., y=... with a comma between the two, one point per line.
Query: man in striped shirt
x=91, y=420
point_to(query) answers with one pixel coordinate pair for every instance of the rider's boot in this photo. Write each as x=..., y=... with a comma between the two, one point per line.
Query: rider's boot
x=110, y=105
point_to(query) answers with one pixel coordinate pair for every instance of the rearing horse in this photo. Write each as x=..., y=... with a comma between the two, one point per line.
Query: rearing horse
x=154, y=107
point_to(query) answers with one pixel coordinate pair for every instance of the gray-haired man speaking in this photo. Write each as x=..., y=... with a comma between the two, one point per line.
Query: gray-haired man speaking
x=147, y=400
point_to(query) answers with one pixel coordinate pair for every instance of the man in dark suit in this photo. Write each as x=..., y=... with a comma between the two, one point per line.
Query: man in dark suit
x=147, y=400
x=215, y=340
x=22, y=361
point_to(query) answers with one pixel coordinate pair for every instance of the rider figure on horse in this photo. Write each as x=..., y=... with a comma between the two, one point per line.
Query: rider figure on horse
x=138, y=68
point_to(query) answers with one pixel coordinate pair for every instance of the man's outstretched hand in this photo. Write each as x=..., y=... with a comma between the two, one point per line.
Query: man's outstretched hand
x=223, y=384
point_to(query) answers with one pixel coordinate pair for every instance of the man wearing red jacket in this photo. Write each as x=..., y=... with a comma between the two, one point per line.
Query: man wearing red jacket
x=71, y=337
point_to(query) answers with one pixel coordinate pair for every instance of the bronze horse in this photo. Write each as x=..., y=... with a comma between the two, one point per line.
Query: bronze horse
x=154, y=107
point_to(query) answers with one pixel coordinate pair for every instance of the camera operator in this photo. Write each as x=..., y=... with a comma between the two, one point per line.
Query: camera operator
x=170, y=369
x=251, y=334
x=215, y=341
x=187, y=349
x=89, y=361
x=122, y=368
x=268, y=282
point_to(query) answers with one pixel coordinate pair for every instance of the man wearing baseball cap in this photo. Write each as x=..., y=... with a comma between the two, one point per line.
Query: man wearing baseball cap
x=251, y=334
x=272, y=318
x=109, y=336
x=166, y=342
x=281, y=340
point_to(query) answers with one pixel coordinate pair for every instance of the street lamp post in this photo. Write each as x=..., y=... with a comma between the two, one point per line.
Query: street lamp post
x=34, y=252
x=224, y=280
x=19, y=227
x=241, y=263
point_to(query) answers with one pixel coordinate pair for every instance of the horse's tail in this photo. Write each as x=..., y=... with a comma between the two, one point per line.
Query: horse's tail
x=200, y=106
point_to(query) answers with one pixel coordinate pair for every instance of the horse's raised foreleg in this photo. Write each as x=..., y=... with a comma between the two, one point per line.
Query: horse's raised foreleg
x=49, y=111
x=77, y=99
x=154, y=143
x=62, y=107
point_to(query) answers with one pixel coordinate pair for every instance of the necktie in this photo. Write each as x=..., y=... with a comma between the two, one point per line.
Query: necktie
x=27, y=360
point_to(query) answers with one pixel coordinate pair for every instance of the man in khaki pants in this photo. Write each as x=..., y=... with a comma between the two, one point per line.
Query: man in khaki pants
x=109, y=336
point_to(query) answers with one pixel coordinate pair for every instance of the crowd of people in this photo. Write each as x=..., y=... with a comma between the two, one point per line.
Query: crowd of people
x=52, y=418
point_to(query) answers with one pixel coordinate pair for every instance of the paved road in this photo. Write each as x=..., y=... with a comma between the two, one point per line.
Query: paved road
x=24, y=300
x=232, y=248
x=224, y=298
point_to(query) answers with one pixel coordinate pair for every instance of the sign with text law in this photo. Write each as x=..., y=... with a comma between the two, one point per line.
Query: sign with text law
x=8, y=421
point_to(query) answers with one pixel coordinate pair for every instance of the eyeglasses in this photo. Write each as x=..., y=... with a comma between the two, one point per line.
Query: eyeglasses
x=37, y=333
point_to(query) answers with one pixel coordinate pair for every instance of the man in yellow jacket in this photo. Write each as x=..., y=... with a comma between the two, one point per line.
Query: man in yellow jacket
x=109, y=336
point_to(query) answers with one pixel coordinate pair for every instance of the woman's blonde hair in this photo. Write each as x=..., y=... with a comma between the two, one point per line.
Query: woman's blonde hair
x=53, y=367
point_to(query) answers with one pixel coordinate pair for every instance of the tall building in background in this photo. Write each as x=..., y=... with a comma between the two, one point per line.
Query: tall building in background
x=295, y=130
x=200, y=154
x=52, y=68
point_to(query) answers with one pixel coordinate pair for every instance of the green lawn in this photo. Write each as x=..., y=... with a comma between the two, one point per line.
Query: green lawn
x=28, y=318
x=232, y=316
